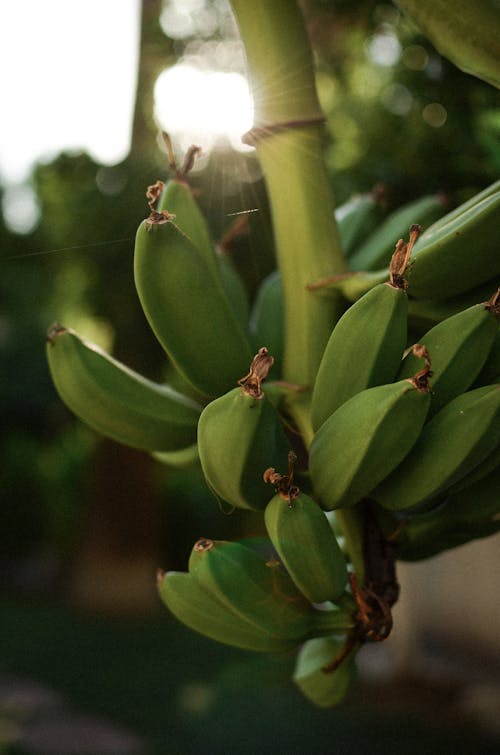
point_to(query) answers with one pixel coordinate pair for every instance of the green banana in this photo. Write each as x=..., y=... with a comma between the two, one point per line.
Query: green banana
x=190, y=602
x=115, y=400
x=457, y=254
x=259, y=591
x=176, y=198
x=475, y=199
x=366, y=438
x=464, y=516
x=366, y=345
x=240, y=435
x=357, y=218
x=459, y=346
x=423, y=314
x=187, y=308
x=304, y=540
x=267, y=319
x=323, y=689
x=376, y=251
x=466, y=33
x=456, y=440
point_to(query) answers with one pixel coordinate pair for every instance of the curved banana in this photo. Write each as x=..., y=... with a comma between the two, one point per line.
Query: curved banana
x=423, y=314
x=459, y=346
x=190, y=603
x=366, y=345
x=451, y=445
x=187, y=308
x=366, y=438
x=259, y=591
x=304, y=540
x=376, y=251
x=115, y=400
x=457, y=254
x=239, y=436
x=323, y=689
x=465, y=33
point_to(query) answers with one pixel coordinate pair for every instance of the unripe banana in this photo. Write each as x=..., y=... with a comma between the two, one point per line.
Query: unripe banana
x=455, y=441
x=190, y=602
x=322, y=689
x=259, y=591
x=357, y=218
x=423, y=314
x=459, y=346
x=376, y=251
x=176, y=198
x=115, y=400
x=304, y=540
x=457, y=254
x=365, y=347
x=464, y=516
x=267, y=320
x=466, y=33
x=186, y=307
x=366, y=438
x=240, y=435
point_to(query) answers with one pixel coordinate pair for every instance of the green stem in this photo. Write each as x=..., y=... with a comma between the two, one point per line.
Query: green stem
x=308, y=246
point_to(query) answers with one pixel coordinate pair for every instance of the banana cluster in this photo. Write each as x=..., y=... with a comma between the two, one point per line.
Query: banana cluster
x=404, y=419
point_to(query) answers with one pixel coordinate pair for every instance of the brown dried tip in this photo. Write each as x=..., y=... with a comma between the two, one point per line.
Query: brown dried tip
x=401, y=258
x=421, y=379
x=204, y=544
x=259, y=370
x=189, y=159
x=55, y=330
x=153, y=194
x=158, y=218
x=493, y=304
x=283, y=484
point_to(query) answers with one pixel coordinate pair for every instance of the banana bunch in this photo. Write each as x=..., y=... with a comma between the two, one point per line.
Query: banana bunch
x=398, y=448
x=452, y=257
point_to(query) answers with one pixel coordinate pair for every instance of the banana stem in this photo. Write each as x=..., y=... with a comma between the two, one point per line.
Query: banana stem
x=288, y=135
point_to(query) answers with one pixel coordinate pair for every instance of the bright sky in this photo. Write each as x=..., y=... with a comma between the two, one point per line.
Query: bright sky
x=68, y=73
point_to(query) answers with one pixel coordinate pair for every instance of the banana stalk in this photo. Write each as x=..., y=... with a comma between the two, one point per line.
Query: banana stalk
x=288, y=135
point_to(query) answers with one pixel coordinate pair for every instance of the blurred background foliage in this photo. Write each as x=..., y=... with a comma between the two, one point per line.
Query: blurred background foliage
x=81, y=518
